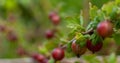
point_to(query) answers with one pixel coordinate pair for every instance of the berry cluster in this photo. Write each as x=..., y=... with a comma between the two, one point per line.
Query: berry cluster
x=91, y=37
x=94, y=44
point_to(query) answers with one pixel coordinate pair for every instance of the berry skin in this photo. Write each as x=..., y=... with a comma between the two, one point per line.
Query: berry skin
x=11, y=18
x=39, y=58
x=21, y=51
x=44, y=61
x=58, y=54
x=11, y=36
x=49, y=34
x=94, y=48
x=55, y=18
x=105, y=28
x=52, y=14
x=77, y=49
x=2, y=28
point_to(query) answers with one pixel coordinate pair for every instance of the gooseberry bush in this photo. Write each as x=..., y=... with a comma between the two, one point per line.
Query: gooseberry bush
x=103, y=23
x=64, y=36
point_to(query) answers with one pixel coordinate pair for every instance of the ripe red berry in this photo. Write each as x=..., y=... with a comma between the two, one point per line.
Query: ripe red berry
x=11, y=36
x=58, y=54
x=105, y=28
x=52, y=14
x=94, y=48
x=2, y=28
x=21, y=51
x=49, y=34
x=39, y=58
x=44, y=61
x=77, y=49
x=11, y=17
x=55, y=18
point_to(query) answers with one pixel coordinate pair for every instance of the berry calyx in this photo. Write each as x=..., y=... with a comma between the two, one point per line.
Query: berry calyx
x=105, y=28
x=94, y=48
x=58, y=54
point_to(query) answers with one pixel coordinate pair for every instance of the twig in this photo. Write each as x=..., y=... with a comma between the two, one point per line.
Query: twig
x=87, y=32
x=90, y=31
x=65, y=46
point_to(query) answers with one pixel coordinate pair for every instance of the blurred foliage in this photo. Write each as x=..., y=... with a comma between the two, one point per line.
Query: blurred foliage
x=101, y=2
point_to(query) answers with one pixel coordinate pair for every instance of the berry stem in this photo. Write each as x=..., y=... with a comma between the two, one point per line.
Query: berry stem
x=90, y=31
x=55, y=61
x=93, y=52
x=65, y=46
x=78, y=56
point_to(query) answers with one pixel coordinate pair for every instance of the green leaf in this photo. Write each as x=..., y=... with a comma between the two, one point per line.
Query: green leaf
x=69, y=54
x=95, y=38
x=74, y=29
x=24, y=2
x=93, y=24
x=51, y=61
x=10, y=4
x=113, y=14
x=2, y=2
x=89, y=26
x=51, y=45
x=73, y=20
x=93, y=12
x=91, y=59
x=81, y=20
x=69, y=49
x=116, y=37
x=80, y=39
x=72, y=25
x=108, y=7
x=79, y=36
x=112, y=58
x=117, y=24
x=71, y=34
x=99, y=3
x=43, y=50
x=83, y=44
x=117, y=2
